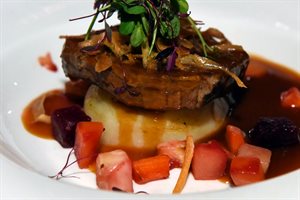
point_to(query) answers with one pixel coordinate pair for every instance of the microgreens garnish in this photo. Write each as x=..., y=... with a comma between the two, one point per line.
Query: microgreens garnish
x=60, y=175
x=146, y=20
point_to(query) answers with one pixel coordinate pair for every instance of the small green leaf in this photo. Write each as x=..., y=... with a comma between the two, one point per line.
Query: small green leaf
x=170, y=30
x=183, y=6
x=135, y=10
x=138, y=36
x=130, y=2
x=126, y=27
x=175, y=23
x=146, y=25
x=118, y=5
x=163, y=29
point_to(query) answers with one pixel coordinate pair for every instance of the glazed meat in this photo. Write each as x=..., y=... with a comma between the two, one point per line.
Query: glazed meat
x=121, y=70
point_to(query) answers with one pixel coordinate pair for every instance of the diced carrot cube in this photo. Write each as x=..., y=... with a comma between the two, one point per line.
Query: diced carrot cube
x=150, y=169
x=234, y=137
x=87, y=140
x=246, y=170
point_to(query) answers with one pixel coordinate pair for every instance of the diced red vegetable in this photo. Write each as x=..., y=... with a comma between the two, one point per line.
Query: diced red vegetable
x=234, y=137
x=209, y=161
x=290, y=98
x=150, y=169
x=216, y=143
x=175, y=150
x=87, y=141
x=246, y=170
x=263, y=154
x=114, y=171
x=64, y=123
x=46, y=62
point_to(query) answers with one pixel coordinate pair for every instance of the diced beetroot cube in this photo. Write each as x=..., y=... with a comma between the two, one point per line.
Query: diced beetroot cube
x=263, y=154
x=209, y=161
x=64, y=123
x=246, y=170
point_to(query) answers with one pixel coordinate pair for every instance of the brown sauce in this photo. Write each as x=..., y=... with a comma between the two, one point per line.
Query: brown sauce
x=263, y=100
x=55, y=100
x=39, y=129
x=265, y=81
x=150, y=123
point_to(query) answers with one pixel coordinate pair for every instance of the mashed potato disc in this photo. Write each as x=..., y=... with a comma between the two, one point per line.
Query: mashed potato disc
x=133, y=128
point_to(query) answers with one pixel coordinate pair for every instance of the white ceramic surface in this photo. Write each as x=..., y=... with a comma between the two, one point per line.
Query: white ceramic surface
x=30, y=28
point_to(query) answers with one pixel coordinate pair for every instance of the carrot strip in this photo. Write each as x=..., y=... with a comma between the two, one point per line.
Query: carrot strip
x=150, y=169
x=189, y=152
x=234, y=137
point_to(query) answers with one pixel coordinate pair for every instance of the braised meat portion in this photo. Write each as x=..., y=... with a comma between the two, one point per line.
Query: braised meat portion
x=138, y=79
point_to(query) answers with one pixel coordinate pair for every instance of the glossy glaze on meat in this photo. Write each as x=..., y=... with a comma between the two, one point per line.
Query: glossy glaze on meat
x=186, y=86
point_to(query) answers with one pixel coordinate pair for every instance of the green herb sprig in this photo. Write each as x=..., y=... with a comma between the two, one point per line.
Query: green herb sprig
x=145, y=20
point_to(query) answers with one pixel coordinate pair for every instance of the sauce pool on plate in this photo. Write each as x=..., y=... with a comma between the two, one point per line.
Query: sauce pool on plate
x=266, y=81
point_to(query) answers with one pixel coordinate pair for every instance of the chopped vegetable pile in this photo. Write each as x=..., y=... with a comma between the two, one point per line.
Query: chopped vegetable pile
x=245, y=158
x=246, y=163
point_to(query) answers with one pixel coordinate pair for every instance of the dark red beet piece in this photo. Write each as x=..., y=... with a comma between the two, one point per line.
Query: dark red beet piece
x=274, y=132
x=64, y=123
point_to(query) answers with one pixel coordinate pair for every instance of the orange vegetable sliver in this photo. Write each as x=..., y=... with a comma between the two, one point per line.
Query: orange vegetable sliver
x=189, y=151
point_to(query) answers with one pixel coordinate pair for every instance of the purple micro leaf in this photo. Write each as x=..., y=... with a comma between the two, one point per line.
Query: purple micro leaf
x=95, y=48
x=120, y=90
x=198, y=22
x=102, y=39
x=97, y=4
x=133, y=92
x=171, y=60
x=108, y=31
x=164, y=53
x=184, y=15
x=89, y=49
x=83, y=17
x=102, y=19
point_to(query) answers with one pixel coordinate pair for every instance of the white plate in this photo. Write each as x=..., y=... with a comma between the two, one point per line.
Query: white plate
x=31, y=28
